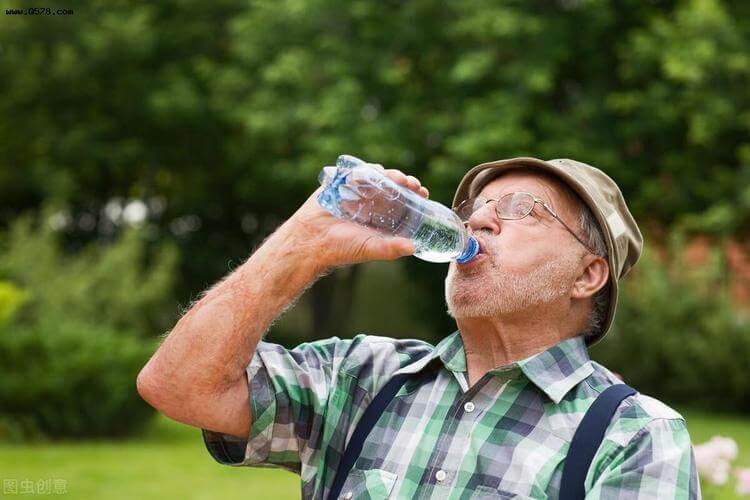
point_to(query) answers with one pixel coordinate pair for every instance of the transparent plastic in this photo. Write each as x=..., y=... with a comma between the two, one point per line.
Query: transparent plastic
x=356, y=191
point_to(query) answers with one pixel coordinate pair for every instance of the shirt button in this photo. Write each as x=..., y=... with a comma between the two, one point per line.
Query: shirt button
x=440, y=475
x=469, y=407
x=348, y=495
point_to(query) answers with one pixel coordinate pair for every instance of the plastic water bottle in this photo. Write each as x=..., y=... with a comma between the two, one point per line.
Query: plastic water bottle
x=356, y=191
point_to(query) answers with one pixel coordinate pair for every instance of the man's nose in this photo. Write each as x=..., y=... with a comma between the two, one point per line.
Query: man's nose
x=485, y=218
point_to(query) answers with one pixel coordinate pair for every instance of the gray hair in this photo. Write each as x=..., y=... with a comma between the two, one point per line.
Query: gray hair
x=594, y=238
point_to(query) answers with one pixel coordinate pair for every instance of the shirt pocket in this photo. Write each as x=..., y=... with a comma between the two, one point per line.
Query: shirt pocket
x=486, y=493
x=368, y=484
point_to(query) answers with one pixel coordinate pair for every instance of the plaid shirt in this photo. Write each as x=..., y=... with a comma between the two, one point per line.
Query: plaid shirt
x=506, y=436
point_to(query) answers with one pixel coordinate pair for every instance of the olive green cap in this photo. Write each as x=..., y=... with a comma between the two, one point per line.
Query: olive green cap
x=598, y=191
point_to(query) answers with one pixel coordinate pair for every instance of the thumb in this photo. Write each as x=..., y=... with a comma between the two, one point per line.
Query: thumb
x=379, y=248
x=401, y=247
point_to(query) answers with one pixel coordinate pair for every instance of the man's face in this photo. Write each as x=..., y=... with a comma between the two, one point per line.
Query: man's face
x=527, y=263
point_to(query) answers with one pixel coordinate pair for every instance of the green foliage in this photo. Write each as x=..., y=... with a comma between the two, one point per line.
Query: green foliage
x=226, y=111
x=67, y=379
x=73, y=347
x=11, y=299
x=676, y=335
x=100, y=284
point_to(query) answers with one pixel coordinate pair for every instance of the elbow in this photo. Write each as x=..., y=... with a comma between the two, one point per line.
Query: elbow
x=152, y=387
x=165, y=398
x=168, y=399
x=147, y=387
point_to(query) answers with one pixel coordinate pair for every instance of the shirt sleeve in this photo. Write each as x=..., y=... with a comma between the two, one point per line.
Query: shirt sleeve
x=657, y=463
x=303, y=400
x=289, y=391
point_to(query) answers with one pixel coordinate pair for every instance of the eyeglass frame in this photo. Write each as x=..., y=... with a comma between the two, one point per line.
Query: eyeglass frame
x=536, y=200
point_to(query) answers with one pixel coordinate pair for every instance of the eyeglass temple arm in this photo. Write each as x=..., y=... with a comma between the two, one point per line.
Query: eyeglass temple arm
x=552, y=212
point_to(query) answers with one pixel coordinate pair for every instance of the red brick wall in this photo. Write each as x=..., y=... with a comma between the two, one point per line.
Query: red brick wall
x=737, y=256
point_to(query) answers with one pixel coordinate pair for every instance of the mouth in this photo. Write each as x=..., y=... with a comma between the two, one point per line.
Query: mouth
x=482, y=246
x=473, y=262
x=480, y=256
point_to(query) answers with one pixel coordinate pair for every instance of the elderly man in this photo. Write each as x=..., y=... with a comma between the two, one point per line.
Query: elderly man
x=491, y=411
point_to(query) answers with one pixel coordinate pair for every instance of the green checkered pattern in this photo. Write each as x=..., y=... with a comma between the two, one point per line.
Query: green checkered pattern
x=509, y=442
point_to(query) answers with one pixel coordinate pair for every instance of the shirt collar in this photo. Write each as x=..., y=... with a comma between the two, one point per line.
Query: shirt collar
x=451, y=352
x=560, y=368
x=555, y=371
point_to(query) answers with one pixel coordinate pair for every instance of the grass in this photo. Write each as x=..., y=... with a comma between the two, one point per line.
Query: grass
x=169, y=461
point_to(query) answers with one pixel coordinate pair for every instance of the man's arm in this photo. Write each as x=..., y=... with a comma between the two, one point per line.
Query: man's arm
x=658, y=462
x=197, y=376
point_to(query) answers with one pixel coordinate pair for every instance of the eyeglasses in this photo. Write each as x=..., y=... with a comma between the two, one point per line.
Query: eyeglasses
x=512, y=206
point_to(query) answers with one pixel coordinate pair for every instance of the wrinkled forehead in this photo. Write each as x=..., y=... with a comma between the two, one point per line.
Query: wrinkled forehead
x=537, y=182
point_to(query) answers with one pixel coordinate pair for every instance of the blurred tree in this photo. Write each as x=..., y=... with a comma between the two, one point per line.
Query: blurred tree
x=677, y=320
x=219, y=116
x=121, y=285
x=108, y=110
x=73, y=331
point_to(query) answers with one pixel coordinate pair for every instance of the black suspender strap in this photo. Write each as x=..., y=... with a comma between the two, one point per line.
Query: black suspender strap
x=587, y=439
x=365, y=425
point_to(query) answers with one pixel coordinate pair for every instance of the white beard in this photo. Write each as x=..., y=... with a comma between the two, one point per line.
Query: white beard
x=492, y=291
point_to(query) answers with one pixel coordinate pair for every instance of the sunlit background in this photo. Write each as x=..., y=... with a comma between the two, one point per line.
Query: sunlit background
x=147, y=148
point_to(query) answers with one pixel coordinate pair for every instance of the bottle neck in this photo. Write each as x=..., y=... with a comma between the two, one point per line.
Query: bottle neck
x=471, y=251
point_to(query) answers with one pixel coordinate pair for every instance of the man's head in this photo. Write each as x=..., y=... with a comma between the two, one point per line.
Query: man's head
x=535, y=265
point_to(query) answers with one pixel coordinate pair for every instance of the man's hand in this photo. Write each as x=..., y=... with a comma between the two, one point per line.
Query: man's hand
x=336, y=242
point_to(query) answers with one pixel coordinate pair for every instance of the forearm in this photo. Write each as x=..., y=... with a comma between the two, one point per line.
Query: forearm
x=210, y=346
x=200, y=366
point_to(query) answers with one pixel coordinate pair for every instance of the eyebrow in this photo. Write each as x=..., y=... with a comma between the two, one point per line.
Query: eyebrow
x=545, y=199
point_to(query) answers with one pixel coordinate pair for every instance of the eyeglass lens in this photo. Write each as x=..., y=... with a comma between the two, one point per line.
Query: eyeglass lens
x=510, y=206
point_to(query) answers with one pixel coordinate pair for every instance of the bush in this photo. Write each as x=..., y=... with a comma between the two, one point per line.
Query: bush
x=70, y=380
x=75, y=330
x=115, y=283
x=11, y=299
x=677, y=335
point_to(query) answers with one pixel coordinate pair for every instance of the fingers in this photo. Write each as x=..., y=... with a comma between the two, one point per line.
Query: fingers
x=402, y=179
x=394, y=248
x=417, y=186
x=377, y=247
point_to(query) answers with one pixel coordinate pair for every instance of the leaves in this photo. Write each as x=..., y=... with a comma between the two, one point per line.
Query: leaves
x=227, y=111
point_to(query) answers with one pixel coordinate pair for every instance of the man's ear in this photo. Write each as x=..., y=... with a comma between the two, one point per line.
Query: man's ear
x=592, y=278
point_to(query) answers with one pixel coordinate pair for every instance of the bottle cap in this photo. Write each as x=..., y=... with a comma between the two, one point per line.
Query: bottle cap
x=472, y=250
